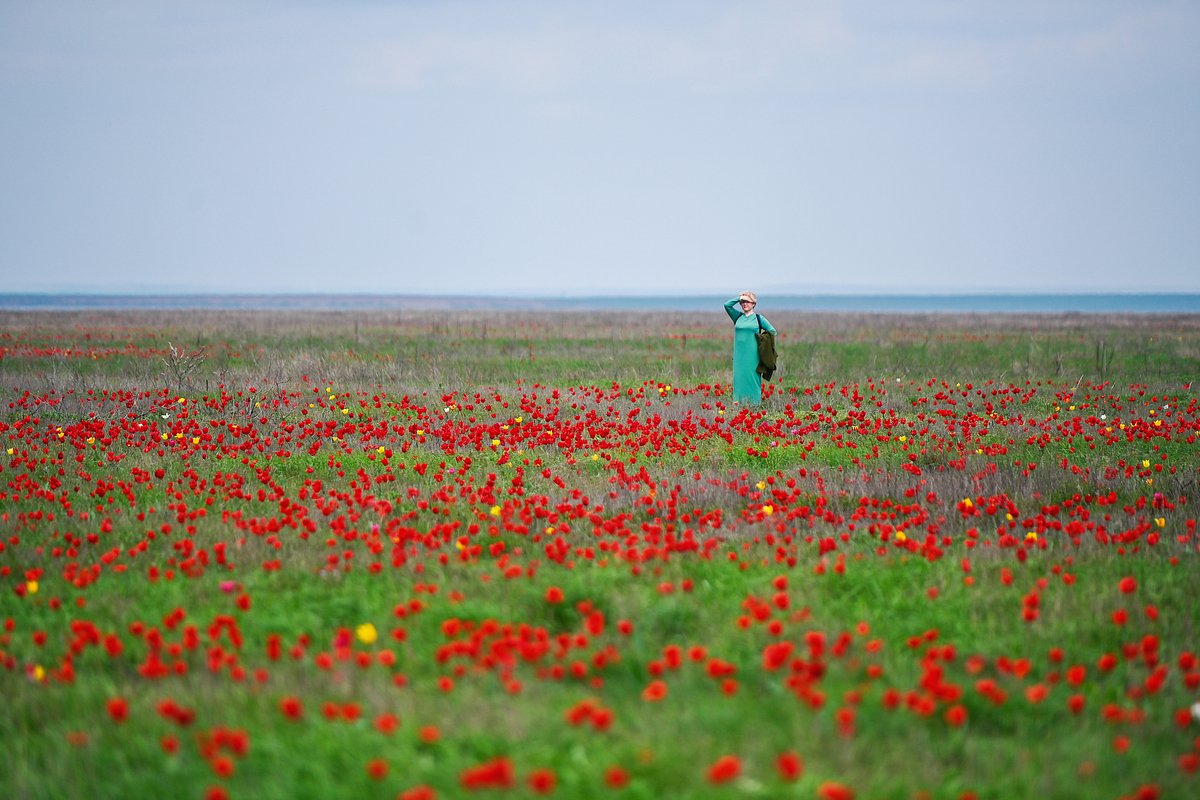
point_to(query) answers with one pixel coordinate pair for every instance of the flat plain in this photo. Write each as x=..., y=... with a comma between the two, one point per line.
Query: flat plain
x=416, y=554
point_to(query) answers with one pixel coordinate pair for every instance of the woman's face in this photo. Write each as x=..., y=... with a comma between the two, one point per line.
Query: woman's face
x=747, y=306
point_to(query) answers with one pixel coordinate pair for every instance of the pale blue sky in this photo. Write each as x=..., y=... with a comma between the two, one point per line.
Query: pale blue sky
x=553, y=147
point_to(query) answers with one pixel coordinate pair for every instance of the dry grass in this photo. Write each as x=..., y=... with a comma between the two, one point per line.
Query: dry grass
x=420, y=350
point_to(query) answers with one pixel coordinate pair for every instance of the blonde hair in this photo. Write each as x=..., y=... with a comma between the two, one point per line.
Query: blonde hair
x=751, y=296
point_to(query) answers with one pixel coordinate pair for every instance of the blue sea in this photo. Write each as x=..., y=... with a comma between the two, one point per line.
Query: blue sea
x=1138, y=303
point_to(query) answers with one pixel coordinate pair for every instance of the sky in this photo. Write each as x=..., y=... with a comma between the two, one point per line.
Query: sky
x=559, y=147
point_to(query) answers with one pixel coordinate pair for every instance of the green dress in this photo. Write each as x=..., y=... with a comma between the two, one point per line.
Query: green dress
x=747, y=383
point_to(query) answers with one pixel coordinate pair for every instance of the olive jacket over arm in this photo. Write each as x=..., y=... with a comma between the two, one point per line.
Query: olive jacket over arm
x=767, y=358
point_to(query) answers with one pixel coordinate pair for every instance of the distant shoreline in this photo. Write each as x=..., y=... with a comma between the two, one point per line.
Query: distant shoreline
x=1140, y=303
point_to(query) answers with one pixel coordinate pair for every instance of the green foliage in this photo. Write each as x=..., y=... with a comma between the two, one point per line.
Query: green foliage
x=848, y=429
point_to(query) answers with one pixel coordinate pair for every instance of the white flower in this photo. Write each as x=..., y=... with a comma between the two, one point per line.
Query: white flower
x=1196, y=710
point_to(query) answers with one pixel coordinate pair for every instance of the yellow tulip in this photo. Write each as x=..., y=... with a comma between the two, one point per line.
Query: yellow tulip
x=366, y=633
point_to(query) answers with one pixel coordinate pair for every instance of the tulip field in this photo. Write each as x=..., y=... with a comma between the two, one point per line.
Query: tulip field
x=447, y=554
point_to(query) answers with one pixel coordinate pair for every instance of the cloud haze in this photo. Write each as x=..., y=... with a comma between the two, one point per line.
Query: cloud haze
x=600, y=147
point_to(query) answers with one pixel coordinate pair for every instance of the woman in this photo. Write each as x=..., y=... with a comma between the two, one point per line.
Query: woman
x=747, y=383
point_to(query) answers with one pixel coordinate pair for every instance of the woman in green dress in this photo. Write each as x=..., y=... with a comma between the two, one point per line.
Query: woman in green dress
x=747, y=383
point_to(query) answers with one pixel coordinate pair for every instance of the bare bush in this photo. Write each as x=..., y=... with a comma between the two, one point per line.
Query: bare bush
x=179, y=365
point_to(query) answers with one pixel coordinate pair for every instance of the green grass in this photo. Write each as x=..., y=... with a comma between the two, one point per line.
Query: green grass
x=479, y=720
x=901, y=612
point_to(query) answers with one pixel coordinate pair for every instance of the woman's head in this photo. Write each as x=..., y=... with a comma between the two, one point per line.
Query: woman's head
x=748, y=300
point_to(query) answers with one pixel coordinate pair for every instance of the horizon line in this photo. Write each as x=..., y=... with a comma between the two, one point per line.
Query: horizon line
x=982, y=292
